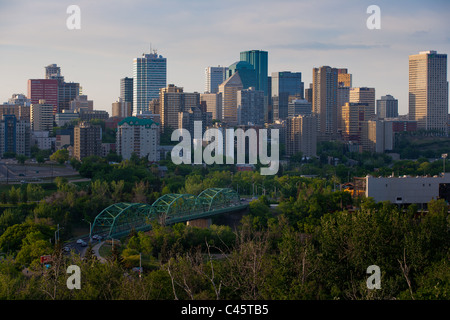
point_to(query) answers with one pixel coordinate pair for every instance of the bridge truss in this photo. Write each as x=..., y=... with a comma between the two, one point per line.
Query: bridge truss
x=120, y=218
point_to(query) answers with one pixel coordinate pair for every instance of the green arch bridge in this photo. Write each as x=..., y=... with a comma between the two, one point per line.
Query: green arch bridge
x=119, y=219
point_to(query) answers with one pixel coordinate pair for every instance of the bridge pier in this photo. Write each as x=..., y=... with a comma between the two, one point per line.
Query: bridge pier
x=199, y=223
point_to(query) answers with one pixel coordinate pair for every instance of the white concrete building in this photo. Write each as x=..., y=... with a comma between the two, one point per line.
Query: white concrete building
x=140, y=136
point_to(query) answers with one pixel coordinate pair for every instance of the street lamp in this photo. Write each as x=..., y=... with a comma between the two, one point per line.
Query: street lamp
x=444, y=156
x=90, y=229
x=57, y=232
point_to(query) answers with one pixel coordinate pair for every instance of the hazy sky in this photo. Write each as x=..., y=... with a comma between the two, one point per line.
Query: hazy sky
x=192, y=35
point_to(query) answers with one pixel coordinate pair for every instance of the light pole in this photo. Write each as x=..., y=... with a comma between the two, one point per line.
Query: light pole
x=57, y=232
x=90, y=229
x=444, y=156
x=140, y=264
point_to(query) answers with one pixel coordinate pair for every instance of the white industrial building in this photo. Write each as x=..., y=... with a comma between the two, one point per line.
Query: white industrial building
x=408, y=189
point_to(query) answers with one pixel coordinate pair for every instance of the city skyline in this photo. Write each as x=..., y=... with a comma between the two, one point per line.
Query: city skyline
x=298, y=36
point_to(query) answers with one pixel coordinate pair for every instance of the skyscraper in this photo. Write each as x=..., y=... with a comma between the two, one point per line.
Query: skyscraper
x=387, y=107
x=52, y=71
x=246, y=71
x=301, y=135
x=353, y=116
x=126, y=90
x=174, y=100
x=43, y=89
x=324, y=99
x=284, y=85
x=250, y=107
x=260, y=61
x=149, y=75
x=214, y=76
x=213, y=103
x=428, y=90
x=363, y=95
x=299, y=107
x=344, y=78
x=67, y=91
x=229, y=90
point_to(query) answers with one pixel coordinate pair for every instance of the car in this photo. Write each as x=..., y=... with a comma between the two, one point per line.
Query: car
x=97, y=237
x=84, y=244
x=80, y=241
x=66, y=249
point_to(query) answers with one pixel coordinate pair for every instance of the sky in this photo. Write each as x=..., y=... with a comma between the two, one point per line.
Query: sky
x=192, y=35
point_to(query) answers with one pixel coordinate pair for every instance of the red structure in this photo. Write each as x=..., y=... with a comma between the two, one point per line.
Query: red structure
x=404, y=125
x=43, y=89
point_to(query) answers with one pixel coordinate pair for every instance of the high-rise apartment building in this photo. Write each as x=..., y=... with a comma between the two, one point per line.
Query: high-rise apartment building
x=387, y=107
x=284, y=85
x=229, y=89
x=428, y=90
x=139, y=136
x=250, y=107
x=15, y=136
x=324, y=99
x=126, y=90
x=301, y=135
x=87, y=140
x=149, y=76
x=214, y=76
x=41, y=116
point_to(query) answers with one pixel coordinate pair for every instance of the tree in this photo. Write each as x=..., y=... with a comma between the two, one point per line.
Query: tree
x=21, y=158
x=60, y=156
x=14, y=195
